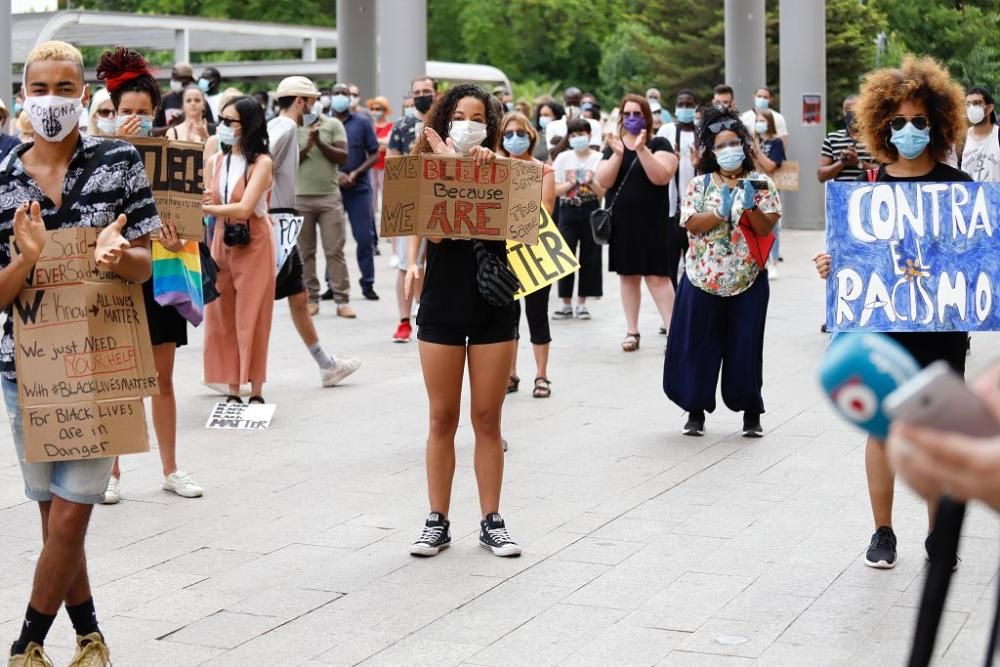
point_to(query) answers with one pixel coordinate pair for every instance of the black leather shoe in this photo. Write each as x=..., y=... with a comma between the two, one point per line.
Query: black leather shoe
x=370, y=294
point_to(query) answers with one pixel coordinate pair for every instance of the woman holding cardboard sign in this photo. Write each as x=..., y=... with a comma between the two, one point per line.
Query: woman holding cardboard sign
x=519, y=139
x=456, y=322
x=135, y=96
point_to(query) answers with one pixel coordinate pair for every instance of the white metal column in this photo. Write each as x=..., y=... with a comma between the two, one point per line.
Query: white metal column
x=182, y=46
x=6, y=52
x=746, y=64
x=356, y=37
x=402, y=47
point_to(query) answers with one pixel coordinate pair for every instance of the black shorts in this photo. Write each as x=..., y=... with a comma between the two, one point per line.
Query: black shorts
x=289, y=280
x=487, y=334
x=166, y=325
x=926, y=348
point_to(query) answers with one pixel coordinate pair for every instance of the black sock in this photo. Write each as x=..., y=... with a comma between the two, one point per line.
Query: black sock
x=404, y=320
x=34, y=629
x=84, y=618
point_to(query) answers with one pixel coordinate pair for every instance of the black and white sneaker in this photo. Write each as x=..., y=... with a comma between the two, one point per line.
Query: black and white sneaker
x=930, y=544
x=493, y=536
x=695, y=424
x=751, y=425
x=881, y=552
x=435, y=538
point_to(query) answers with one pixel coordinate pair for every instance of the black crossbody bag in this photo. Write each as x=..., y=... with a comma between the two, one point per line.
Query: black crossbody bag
x=496, y=281
x=600, y=219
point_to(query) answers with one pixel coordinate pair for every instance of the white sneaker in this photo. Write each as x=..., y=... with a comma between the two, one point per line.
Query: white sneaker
x=113, y=493
x=582, y=313
x=394, y=262
x=564, y=312
x=772, y=269
x=341, y=369
x=182, y=484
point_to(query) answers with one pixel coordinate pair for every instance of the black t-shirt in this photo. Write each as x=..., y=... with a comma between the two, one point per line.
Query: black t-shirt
x=172, y=108
x=450, y=296
x=931, y=346
x=639, y=188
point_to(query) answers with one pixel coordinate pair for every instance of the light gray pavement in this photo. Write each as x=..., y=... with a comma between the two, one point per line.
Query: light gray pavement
x=642, y=547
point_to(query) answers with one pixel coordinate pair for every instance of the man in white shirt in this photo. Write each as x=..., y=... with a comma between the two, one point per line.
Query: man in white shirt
x=556, y=130
x=681, y=135
x=762, y=100
x=981, y=157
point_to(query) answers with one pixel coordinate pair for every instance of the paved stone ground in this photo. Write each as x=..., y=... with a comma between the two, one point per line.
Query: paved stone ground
x=642, y=547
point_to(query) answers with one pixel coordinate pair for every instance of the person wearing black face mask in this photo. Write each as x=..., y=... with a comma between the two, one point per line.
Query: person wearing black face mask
x=845, y=156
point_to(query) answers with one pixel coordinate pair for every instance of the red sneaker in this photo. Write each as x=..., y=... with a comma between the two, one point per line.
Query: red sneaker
x=403, y=333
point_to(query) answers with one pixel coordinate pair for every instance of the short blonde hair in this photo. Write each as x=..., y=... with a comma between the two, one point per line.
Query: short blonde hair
x=54, y=50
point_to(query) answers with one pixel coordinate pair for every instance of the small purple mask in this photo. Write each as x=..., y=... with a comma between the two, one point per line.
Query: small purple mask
x=634, y=125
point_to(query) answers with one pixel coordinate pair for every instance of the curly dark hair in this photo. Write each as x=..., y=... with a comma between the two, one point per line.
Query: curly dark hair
x=439, y=116
x=920, y=80
x=705, y=138
x=557, y=111
x=253, y=140
x=126, y=71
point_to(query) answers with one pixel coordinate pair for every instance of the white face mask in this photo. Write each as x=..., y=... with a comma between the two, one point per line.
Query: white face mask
x=107, y=126
x=466, y=134
x=975, y=113
x=52, y=117
x=176, y=86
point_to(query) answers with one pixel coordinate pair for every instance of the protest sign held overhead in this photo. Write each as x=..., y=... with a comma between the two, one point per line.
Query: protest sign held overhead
x=174, y=170
x=449, y=196
x=83, y=355
x=913, y=256
x=543, y=263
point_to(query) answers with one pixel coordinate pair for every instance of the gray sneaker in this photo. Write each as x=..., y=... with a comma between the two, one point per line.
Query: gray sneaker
x=565, y=312
x=582, y=313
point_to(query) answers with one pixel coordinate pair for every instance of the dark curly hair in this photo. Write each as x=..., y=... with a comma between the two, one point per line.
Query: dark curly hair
x=253, y=140
x=439, y=116
x=919, y=80
x=705, y=138
x=126, y=71
x=557, y=111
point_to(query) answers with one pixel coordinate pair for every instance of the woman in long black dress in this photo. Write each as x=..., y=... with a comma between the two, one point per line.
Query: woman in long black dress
x=641, y=169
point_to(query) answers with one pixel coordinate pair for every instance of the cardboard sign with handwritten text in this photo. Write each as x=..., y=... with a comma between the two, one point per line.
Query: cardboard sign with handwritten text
x=174, y=170
x=449, y=196
x=83, y=355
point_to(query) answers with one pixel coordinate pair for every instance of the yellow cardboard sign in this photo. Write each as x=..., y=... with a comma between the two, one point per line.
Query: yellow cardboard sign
x=543, y=263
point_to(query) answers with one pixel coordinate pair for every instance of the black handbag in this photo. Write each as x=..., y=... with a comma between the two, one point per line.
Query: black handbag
x=496, y=281
x=600, y=219
x=209, y=271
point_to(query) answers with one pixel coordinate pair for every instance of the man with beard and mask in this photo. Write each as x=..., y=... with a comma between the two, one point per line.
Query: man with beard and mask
x=844, y=155
x=210, y=83
x=298, y=106
x=171, y=109
x=981, y=157
x=355, y=186
x=65, y=180
x=404, y=134
x=555, y=131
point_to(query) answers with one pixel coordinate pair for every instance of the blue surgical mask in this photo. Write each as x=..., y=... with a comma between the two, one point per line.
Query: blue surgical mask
x=730, y=158
x=543, y=121
x=340, y=103
x=684, y=115
x=204, y=84
x=17, y=108
x=579, y=142
x=515, y=145
x=145, y=124
x=911, y=142
x=761, y=102
x=409, y=112
x=665, y=116
x=226, y=135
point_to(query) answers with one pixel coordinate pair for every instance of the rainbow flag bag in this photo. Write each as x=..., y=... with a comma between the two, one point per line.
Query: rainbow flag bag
x=177, y=280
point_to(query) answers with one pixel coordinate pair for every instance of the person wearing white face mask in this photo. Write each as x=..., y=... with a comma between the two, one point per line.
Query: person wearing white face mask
x=101, y=121
x=981, y=155
x=768, y=154
x=681, y=133
x=762, y=99
x=547, y=112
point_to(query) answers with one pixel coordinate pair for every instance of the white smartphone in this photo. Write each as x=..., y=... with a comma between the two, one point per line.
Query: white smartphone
x=939, y=398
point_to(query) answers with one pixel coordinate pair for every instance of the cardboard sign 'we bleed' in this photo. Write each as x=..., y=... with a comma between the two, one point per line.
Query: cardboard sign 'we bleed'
x=449, y=196
x=83, y=355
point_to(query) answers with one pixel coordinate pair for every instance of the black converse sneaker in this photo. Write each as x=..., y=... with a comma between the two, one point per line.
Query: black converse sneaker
x=881, y=552
x=751, y=425
x=695, y=424
x=435, y=538
x=493, y=536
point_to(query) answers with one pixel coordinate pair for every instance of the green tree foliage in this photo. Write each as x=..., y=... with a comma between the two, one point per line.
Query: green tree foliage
x=625, y=64
x=312, y=12
x=851, y=30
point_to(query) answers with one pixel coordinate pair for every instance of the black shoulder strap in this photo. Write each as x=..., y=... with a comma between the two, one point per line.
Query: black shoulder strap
x=621, y=186
x=55, y=221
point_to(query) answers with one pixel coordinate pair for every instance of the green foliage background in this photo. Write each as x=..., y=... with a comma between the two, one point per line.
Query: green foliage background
x=613, y=46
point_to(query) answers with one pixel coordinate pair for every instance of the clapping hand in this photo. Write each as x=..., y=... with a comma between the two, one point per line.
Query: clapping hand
x=442, y=147
x=725, y=209
x=29, y=232
x=111, y=245
x=749, y=195
x=640, y=141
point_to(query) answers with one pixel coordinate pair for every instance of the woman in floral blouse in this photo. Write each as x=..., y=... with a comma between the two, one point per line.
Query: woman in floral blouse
x=729, y=211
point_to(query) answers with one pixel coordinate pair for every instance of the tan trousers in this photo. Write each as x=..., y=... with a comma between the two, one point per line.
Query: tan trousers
x=327, y=213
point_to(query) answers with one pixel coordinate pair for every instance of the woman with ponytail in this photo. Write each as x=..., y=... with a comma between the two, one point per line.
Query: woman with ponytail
x=136, y=96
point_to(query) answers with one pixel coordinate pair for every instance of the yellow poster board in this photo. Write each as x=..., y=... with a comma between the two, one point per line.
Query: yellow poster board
x=543, y=263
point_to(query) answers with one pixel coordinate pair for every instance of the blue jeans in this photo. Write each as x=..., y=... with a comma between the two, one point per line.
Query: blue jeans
x=80, y=482
x=358, y=204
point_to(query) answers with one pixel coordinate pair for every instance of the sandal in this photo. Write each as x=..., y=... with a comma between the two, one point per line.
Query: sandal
x=514, y=383
x=256, y=399
x=233, y=399
x=543, y=388
x=631, y=342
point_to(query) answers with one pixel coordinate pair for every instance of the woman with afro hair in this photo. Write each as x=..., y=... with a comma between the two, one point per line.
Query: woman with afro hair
x=910, y=118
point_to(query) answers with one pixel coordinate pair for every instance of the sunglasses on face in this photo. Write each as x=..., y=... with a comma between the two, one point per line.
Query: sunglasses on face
x=631, y=114
x=721, y=125
x=229, y=122
x=510, y=133
x=106, y=113
x=377, y=109
x=899, y=122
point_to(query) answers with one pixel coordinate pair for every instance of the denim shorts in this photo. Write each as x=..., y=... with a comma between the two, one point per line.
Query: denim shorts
x=81, y=482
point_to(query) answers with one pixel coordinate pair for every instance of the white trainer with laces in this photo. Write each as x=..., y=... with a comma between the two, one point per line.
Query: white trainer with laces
x=182, y=484
x=341, y=368
x=113, y=492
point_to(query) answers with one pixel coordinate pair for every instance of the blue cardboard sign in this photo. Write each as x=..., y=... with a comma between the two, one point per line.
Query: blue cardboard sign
x=913, y=256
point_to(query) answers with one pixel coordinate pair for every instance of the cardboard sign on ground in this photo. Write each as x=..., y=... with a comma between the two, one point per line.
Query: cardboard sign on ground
x=174, y=170
x=543, y=263
x=241, y=416
x=449, y=196
x=83, y=355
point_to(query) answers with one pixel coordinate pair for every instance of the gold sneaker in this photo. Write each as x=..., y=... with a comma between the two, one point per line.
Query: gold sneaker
x=91, y=651
x=33, y=656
